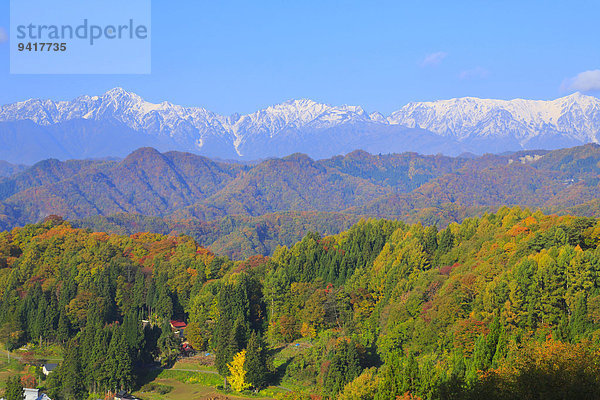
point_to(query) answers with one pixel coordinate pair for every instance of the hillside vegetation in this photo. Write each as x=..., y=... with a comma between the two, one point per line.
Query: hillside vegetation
x=505, y=306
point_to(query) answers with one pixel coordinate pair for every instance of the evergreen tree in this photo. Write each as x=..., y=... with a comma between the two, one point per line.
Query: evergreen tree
x=168, y=344
x=256, y=362
x=119, y=364
x=64, y=330
x=391, y=374
x=71, y=376
x=446, y=241
x=151, y=298
x=344, y=367
x=14, y=389
x=480, y=360
x=124, y=377
x=164, y=304
x=226, y=347
x=430, y=243
x=139, y=298
x=150, y=351
x=39, y=328
x=240, y=310
x=88, y=337
x=579, y=318
x=132, y=330
x=97, y=375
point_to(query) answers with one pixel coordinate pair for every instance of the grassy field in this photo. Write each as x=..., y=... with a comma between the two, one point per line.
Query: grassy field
x=197, y=386
x=285, y=353
x=180, y=391
x=199, y=361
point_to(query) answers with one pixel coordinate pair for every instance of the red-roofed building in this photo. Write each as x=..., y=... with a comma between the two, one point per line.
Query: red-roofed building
x=178, y=327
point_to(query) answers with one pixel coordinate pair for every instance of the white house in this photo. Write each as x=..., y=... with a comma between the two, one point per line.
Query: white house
x=47, y=368
x=34, y=394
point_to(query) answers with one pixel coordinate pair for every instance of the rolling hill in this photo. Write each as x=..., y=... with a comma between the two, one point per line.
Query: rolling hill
x=243, y=209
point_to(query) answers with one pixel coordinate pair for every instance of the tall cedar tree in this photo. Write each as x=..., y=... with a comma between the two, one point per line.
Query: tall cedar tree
x=256, y=362
x=71, y=374
x=168, y=344
x=344, y=367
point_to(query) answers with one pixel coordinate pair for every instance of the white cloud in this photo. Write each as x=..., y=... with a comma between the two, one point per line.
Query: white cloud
x=587, y=81
x=474, y=73
x=3, y=35
x=433, y=59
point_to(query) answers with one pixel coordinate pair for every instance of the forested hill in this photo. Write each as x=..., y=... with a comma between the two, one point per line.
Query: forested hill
x=237, y=237
x=506, y=306
x=243, y=210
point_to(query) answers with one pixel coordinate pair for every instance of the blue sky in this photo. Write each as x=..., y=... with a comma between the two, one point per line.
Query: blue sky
x=239, y=56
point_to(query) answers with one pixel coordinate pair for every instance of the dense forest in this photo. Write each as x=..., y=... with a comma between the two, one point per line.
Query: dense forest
x=237, y=237
x=505, y=306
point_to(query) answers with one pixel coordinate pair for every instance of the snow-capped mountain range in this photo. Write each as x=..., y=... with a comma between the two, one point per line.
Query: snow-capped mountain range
x=119, y=121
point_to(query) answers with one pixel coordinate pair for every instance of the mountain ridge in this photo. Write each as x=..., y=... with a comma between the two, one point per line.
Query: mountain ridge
x=119, y=121
x=184, y=185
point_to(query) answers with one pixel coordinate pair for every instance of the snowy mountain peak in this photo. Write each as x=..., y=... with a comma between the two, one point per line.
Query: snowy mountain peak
x=298, y=103
x=576, y=117
x=378, y=117
x=471, y=123
x=578, y=96
x=118, y=92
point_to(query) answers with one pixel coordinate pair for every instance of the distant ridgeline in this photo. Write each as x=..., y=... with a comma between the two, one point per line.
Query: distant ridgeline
x=243, y=209
x=505, y=306
x=118, y=122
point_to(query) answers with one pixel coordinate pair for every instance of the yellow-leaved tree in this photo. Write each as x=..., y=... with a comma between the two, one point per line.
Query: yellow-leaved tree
x=238, y=373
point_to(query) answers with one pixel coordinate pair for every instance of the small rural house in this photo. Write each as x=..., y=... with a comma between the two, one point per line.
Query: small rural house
x=178, y=327
x=47, y=368
x=123, y=395
x=34, y=394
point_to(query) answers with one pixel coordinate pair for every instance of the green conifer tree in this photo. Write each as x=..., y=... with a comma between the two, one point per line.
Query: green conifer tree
x=344, y=367
x=72, y=382
x=14, y=389
x=256, y=362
